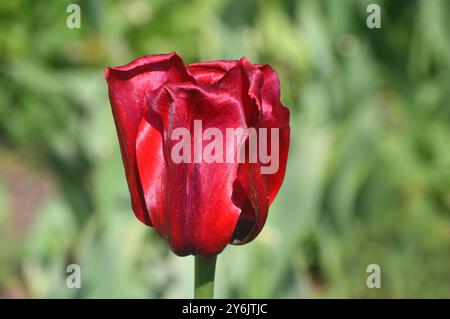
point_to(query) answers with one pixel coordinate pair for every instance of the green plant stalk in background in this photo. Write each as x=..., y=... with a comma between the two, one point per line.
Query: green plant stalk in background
x=205, y=269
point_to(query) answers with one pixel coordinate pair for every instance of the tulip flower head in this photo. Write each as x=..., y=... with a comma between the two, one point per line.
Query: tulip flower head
x=204, y=147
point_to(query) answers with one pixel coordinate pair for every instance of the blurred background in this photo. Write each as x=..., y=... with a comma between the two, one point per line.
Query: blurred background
x=368, y=178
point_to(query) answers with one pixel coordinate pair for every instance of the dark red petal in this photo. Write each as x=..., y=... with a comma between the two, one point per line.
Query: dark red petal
x=275, y=115
x=257, y=191
x=127, y=86
x=210, y=72
x=195, y=211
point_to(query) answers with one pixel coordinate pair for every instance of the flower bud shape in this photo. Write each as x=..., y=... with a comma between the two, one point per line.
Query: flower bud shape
x=204, y=147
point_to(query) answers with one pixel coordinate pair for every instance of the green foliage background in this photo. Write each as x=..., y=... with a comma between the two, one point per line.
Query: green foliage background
x=368, y=177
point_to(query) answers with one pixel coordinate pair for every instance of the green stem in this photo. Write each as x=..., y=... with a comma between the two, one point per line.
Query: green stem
x=205, y=268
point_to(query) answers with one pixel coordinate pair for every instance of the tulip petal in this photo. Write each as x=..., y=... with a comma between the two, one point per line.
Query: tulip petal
x=275, y=115
x=127, y=85
x=260, y=190
x=209, y=73
x=195, y=212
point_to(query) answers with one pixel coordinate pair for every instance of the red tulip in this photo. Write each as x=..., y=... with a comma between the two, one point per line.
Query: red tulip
x=198, y=206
